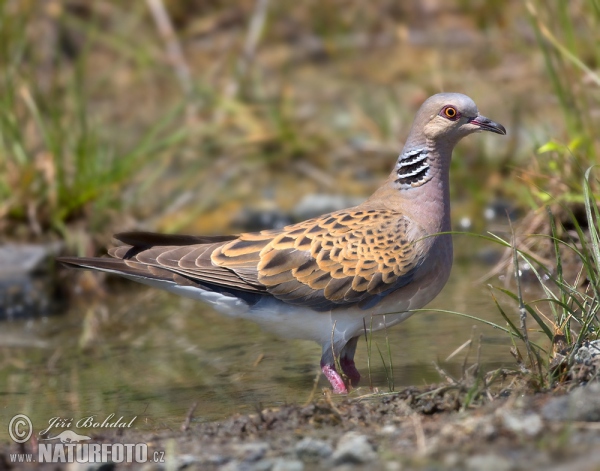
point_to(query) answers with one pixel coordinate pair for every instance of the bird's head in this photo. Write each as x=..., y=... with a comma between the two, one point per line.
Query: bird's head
x=448, y=117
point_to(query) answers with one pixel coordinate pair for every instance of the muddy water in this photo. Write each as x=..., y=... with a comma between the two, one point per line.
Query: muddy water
x=151, y=355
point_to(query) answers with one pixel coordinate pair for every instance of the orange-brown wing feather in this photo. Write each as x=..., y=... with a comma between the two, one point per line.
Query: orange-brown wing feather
x=344, y=258
x=350, y=257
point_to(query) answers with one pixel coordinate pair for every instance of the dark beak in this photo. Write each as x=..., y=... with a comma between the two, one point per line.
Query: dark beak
x=487, y=124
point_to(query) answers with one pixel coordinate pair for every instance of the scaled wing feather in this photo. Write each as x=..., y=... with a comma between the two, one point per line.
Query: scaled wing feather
x=340, y=259
x=350, y=257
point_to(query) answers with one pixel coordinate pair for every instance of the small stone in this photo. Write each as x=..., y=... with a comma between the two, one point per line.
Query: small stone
x=488, y=462
x=217, y=460
x=145, y=467
x=312, y=449
x=262, y=465
x=451, y=459
x=588, y=353
x=184, y=461
x=354, y=448
x=528, y=424
x=251, y=451
x=17, y=259
x=234, y=466
x=388, y=429
x=393, y=466
x=582, y=403
x=288, y=465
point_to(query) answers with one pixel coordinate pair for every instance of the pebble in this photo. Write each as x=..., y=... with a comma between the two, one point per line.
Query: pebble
x=26, y=288
x=89, y=466
x=528, y=424
x=393, y=466
x=489, y=462
x=183, y=461
x=233, y=466
x=251, y=451
x=354, y=448
x=582, y=403
x=21, y=259
x=145, y=467
x=588, y=353
x=388, y=430
x=312, y=449
x=262, y=465
x=236, y=465
x=278, y=464
x=288, y=465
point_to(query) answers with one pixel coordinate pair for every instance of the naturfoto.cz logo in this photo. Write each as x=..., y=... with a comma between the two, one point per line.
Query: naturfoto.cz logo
x=70, y=447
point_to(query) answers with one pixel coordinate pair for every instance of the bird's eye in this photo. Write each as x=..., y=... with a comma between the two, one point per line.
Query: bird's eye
x=450, y=112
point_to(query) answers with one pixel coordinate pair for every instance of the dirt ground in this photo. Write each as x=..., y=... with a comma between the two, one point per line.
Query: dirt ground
x=426, y=428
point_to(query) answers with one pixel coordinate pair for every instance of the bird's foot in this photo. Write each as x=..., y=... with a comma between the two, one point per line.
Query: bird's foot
x=349, y=369
x=337, y=383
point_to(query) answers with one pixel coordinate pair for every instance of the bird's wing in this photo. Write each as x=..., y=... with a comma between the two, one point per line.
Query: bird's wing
x=186, y=264
x=350, y=257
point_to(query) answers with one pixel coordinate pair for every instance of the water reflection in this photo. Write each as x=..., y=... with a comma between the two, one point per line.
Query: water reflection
x=151, y=354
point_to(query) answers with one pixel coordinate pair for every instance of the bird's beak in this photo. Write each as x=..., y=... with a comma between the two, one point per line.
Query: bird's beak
x=487, y=124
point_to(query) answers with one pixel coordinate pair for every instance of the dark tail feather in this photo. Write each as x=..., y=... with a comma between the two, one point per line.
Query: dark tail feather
x=114, y=265
x=151, y=239
x=140, y=271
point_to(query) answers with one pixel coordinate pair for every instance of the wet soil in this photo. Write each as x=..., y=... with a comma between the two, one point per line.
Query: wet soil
x=428, y=428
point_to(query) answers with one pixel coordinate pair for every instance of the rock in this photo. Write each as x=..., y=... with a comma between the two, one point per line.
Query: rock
x=148, y=467
x=262, y=465
x=25, y=259
x=215, y=459
x=388, y=429
x=185, y=461
x=287, y=465
x=235, y=466
x=451, y=459
x=489, y=462
x=91, y=466
x=588, y=353
x=528, y=424
x=501, y=211
x=309, y=449
x=354, y=448
x=251, y=451
x=26, y=287
x=582, y=403
x=393, y=466
x=251, y=220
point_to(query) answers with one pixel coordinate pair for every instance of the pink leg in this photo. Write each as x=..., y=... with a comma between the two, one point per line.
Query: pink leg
x=349, y=369
x=337, y=383
x=347, y=362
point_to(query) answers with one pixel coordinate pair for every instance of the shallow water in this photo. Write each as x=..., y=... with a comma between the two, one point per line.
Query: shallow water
x=151, y=355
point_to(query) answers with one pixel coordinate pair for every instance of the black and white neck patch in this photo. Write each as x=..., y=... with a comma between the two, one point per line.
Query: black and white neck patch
x=413, y=169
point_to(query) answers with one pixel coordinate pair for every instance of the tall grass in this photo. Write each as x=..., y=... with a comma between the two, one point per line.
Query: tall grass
x=566, y=315
x=566, y=33
x=548, y=328
x=56, y=167
x=567, y=270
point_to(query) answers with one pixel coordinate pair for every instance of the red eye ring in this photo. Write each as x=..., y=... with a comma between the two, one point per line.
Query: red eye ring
x=450, y=112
